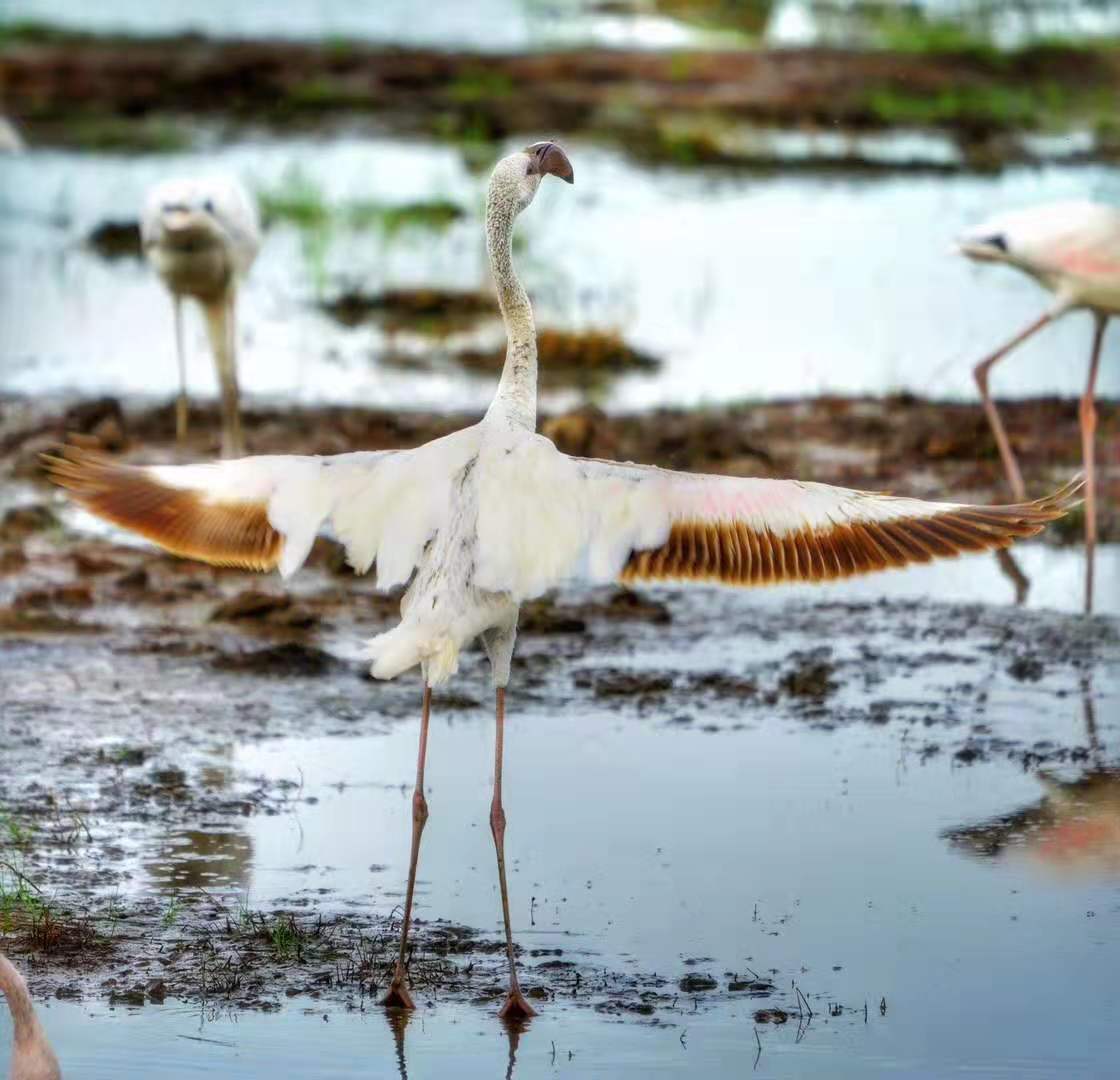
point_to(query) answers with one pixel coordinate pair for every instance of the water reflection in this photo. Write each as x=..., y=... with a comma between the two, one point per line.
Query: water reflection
x=194, y=858
x=399, y=1020
x=1074, y=830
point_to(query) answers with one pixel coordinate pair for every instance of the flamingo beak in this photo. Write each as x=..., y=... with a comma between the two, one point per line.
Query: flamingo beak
x=991, y=248
x=177, y=218
x=548, y=158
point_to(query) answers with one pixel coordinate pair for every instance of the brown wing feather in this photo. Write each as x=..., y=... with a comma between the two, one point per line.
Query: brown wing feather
x=178, y=519
x=734, y=553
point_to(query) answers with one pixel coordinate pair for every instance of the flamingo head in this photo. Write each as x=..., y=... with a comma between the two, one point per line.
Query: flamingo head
x=516, y=177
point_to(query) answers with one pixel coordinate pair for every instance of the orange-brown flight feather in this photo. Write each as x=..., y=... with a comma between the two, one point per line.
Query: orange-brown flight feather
x=181, y=520
x=734, y=553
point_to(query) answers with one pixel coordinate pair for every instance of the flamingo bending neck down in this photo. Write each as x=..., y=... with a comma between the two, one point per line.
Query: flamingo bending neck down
x=32, y=1056
x=202, y=236
x=1073, y=250
x=493, y=515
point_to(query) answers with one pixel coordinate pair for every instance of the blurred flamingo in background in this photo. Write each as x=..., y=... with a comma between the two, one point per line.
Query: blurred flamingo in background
x=32, y=1056
x=202, y=236
x=1072, y=249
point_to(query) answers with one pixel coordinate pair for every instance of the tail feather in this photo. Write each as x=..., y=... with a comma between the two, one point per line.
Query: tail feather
x=403, y=647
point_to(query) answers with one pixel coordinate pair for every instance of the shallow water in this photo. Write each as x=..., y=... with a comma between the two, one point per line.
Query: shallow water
x=519, y=24
x=489, y=25
x=748, y=287
x=738, y=840
x=907, y=856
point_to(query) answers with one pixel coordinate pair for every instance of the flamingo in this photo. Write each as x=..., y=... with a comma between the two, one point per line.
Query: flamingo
x=202, y=236
x=489, y=516
x=1072, y=249
x=32, y=1056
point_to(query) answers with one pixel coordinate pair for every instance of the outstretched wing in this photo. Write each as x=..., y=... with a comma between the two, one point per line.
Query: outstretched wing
x=646, y=523
x=263, y=513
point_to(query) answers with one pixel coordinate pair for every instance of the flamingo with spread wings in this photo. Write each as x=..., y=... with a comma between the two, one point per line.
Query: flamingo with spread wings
x=488, y=517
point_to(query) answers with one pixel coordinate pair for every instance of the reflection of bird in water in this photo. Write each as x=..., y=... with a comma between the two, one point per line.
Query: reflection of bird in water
x=202, y=236
x=1073, y=250
x=32, y=1056
x=399, y=1020
x=1074, y=829
x=493, y=515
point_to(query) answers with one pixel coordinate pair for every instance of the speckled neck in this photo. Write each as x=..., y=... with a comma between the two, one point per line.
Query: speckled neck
x=24, y=1022
x=517, y=391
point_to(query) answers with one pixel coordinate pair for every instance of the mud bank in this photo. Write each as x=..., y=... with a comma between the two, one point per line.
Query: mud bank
x=686, y=107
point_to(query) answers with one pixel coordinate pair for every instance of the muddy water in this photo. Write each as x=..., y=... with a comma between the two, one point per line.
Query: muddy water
x=707, y=835
x=884, y=800
x=747, y=288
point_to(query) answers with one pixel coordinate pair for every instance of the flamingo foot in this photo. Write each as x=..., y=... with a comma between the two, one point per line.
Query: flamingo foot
x=398, y=996
x=516, y=1007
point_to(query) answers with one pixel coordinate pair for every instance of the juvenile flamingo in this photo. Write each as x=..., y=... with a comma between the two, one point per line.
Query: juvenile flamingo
x=493, y=515
x=1071, y=249
x=32, y=1056
x=202, y=236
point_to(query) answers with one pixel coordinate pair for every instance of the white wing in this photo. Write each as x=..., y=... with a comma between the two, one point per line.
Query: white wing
x=262, y=513
x=642, y=522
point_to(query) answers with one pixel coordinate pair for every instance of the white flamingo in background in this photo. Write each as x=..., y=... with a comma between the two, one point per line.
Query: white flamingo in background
x=492, y=515
x=202, y=235
x=1073, y=250
x=32, y=1056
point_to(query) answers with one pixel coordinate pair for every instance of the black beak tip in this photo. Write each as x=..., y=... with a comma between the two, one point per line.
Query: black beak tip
x=551, y=160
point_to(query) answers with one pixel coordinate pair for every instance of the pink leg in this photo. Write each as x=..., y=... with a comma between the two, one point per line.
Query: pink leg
x=515, y=1007
x=1088, y=414
x=980, y=373
x=398, y=994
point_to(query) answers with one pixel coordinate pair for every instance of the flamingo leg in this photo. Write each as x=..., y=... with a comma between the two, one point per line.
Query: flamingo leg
x=223, y=337
x=1088, y=417
x=515, y=1007
x=181, y=403
x=398, y=995
x=980, y=373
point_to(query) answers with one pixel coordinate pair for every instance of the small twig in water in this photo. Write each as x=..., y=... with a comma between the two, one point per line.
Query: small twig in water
x=802, y=997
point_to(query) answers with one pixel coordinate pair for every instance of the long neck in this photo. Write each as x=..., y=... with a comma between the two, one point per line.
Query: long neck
x=517, y=390
x=26, y=1025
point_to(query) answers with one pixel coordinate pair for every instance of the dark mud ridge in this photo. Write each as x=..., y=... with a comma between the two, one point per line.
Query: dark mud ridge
x=683, y=107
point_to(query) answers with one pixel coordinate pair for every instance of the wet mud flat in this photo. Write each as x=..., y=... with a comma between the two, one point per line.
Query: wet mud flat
x=129, y=675
x=680, y=106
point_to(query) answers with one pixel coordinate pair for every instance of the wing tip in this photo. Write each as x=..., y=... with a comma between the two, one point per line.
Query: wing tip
x=735, y=553
x=180, y=520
